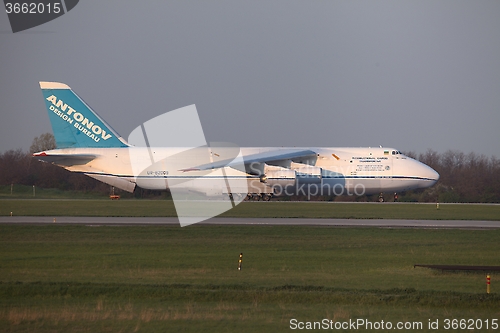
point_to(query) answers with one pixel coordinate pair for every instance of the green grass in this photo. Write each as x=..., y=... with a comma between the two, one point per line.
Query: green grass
x=26, y=192
x=162, y=279
x=105, y=207
x=131, y=207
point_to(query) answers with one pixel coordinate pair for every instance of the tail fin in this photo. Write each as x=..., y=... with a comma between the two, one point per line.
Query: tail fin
x=74, y=123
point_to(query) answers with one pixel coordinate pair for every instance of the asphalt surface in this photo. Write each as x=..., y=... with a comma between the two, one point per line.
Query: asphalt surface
x=461, y=268
x=375, y=223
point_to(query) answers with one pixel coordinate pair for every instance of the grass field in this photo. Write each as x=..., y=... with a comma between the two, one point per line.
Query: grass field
x=171, y=279
x=27, y=192
x=131, y=207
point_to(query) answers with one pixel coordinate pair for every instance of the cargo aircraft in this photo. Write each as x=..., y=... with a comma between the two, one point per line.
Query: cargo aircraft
x=87, y=144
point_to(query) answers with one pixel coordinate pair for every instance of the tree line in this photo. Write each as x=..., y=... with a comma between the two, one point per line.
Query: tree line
x=21, y=168
x=463, y=177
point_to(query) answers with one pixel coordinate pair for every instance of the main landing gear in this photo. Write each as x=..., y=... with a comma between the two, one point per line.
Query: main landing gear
x=258, y=196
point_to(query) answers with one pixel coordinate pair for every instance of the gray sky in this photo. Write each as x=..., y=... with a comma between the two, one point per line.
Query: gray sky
x=411, y=75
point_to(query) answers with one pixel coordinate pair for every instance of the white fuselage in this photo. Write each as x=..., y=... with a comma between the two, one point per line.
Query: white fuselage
x=333, y=171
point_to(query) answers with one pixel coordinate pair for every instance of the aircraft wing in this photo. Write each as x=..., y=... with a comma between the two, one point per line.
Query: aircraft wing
x=65, y=159
x=269, y=157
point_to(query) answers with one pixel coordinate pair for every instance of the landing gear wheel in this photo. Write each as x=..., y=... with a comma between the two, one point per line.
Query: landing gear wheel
x=266, y=197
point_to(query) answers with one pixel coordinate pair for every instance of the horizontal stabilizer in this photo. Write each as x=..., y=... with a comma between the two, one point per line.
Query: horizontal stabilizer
x=65, y=159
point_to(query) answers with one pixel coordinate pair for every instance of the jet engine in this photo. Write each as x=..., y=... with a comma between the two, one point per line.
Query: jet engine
x=307, y=174
x=279, y=176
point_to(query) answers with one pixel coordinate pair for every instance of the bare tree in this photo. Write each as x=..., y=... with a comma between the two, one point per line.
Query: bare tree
x=43, y=142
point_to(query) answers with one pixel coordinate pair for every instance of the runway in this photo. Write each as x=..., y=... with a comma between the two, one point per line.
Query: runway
x=373, y=223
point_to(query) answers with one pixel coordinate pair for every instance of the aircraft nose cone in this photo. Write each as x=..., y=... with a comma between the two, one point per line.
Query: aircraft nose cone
x=435, y=175
x=428, y=176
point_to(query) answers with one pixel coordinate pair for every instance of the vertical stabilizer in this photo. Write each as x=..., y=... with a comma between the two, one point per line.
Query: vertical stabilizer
x=74, y=123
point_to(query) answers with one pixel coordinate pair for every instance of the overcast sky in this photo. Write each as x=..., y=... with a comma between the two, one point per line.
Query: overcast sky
x=412, y=75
